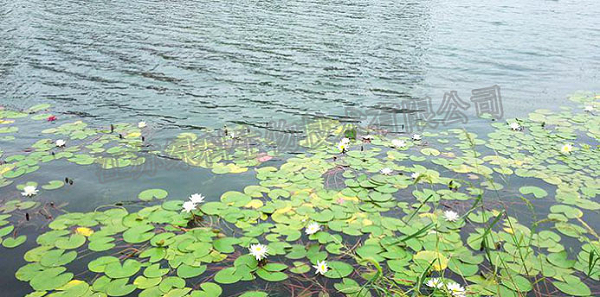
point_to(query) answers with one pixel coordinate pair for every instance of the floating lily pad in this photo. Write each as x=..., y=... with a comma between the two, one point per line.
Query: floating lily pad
x=11, y=242
x=537, y=192
x=150, y=194
x=53, y=184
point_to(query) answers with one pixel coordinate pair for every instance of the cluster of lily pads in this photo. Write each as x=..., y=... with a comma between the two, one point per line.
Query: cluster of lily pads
x=231, y=150
x=368, y=215
x=74, y=141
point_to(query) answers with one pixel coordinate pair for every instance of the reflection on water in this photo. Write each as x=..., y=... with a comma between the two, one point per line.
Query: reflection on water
x=194, y=64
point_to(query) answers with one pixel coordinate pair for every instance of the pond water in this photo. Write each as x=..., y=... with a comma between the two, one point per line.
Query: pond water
x=194, y=64
x=252, y=81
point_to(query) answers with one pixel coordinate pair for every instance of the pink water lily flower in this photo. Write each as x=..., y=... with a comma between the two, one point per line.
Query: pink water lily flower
x=264, y=158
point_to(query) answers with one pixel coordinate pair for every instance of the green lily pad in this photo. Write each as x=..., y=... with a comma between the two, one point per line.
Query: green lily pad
x=537, y=192
x=55, y=258
x=11, y=242
x=227, y=276
x=187, y=271
x=51, y=279
x=128, y=268
x=271, y=276
x=119, y=287
x=338, y=269
x=53, y=185
x=149, y=194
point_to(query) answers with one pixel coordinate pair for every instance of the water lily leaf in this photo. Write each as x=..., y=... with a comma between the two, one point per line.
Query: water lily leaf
x=440, y=262
x=6, y=230
x=31, y=270
x=154, y=271
x=138, y=234
x=560, y=260
x=156, y=254
x=573, y=288
x=370, y=251
x=247, y=260
x=119, y=287
x=570, y=229
x=53, y=185
x=142, y=282
x=101, y=244
x=170, y=283
x=51, y=279
x=271, y=276
x=116, y=270
x=55, y=258
x=178, y=292
x=324, y=216
x=75, y=288
x=208, y=290
x=569, y=211
x=272, y=267
x=74, y=241
x=225, y=244
x=187, y=271
x=517, y=283
x=300, y=267
x=338, y=269
x=12, y=242
x=537, y=192
x=35, y=254
x=350, y=287
x=236, y=199
x=227, y=276
x=149, y=194
x=99, y=264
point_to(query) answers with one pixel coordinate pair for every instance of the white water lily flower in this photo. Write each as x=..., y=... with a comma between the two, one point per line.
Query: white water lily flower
x=189, y=206
x=515, y=126
x=321, y=267
x=456, y=289
x=435, y=283
x=29, y=191
x=567, y=148
x=142, y=124
x=342, y=146
x=60, y=143
x=312, y=228
x=588, y=108
x=345, y=140
x=416, y=137
x=197, y=198
x=451, y=216
x=386, y=171
x=398, y=143
x=259, y=251
x=414, y=175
